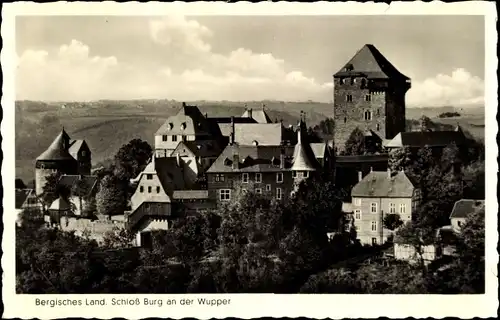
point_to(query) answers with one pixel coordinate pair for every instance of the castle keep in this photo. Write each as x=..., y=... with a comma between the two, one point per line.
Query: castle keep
x=369, y=93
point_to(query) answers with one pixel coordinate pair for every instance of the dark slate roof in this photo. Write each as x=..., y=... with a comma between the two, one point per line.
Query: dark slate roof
x=20, y=184
x=235, y=119
x=76, y=146
x=21, y=196
x=370, y=63
x=58, y=150
x=378, y=184
x=464, y=207
x=252, y=159
x=426, y=138
x=200, y=148
x=89, y=182
x=190, y=194
x=188, y=121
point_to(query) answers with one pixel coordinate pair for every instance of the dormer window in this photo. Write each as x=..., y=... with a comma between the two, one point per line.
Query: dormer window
x=170, y=126
x=275, y=161
x=227, y=162
x=255, y=143
x=353, y=81
x=349, y=67
x=363, y=82
x=343, y=81
x=348, y=98
x=183, y=126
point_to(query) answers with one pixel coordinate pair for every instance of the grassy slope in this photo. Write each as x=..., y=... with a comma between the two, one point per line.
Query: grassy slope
x=107, y=125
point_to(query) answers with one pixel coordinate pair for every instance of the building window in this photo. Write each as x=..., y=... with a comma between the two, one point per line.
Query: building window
x=165, y=137
x=374, y=225
x=294, y=174
x=84, y=153
x=174, y=138
x=378, y=127
x=244, y=178
x=378, y=112
x=225, y=194
x=268, y=187
x=373, y=207
x=459, y=223
x=374, y=241
x=348, y=98
x=279, y=177
x=368, y=97
x=357, y=214
x=358, y=228
x=353, y=81
x=149, y=176
x=392, y=208
x=278, y=193
x=402, y=208
x=258, y=177
x=258, y=191
x=141, y=189
x=345, y=119
x=149, y=189
x=357, y=201
x=343, y=81
x=157, y=189
x=368, y=115
x=219, y=177
x=306, y=174
x=183, y=138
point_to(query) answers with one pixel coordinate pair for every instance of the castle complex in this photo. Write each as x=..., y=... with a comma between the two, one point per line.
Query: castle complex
x=200, y=162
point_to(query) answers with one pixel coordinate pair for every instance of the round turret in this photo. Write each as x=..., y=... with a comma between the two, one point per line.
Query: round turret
x=55, y=159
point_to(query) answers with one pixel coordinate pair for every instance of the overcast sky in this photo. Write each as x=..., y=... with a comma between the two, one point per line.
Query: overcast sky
x=242, y=58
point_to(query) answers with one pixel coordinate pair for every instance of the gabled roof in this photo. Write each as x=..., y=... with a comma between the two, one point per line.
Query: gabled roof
x=188, y=121
x=319, y=149
x=21, y=196
x=369, y=62
x=426, y=138
x=265, y=134
x=259, y=115
x=76, y=146
x=86, y=182
x=382, y=184
x=464, y=207
x=258, y=159
x=60, y=204
x=58, y=149
x=199, y=148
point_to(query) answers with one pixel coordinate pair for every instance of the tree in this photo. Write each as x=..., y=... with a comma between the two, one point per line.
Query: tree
x=81, y=190
x=132, y=158
x=451, y=157
x=425, y=123
x=355, y=144
x=118, y=238
x=53, y=189
x=111, y=197
x=332, y=281
x=474, y=180
x=416, y=235
x=392, y=221
x=400, y=158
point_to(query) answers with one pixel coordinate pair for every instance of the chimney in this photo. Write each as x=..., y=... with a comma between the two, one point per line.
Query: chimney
x=360, y=176
x=178, y=158
x=389, y=173
x=250, y=113
x=231, y=134
x=371, y=169
x=236, y=160
x=183, y=104
x=282, y=159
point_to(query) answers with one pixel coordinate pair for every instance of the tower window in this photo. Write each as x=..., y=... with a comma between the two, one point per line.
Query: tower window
x=368, y=97
x=348, y=98
x=378, y=127
x=368, y=115
x=345, y=119
x=378, y=112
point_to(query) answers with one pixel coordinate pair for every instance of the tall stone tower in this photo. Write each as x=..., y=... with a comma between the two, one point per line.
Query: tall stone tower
x=369, y=93
x=55, y=159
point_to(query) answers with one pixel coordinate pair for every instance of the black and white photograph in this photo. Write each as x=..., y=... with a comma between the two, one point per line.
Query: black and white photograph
x=176, y=153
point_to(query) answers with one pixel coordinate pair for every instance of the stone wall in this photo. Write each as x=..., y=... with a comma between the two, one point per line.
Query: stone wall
x=96, y=229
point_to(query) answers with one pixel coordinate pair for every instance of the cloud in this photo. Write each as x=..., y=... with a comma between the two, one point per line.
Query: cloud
x=71, y=73
x=458, y=89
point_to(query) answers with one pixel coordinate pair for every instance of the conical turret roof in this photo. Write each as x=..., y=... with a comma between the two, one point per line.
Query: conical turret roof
x=301, y=157
x=58, y=149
